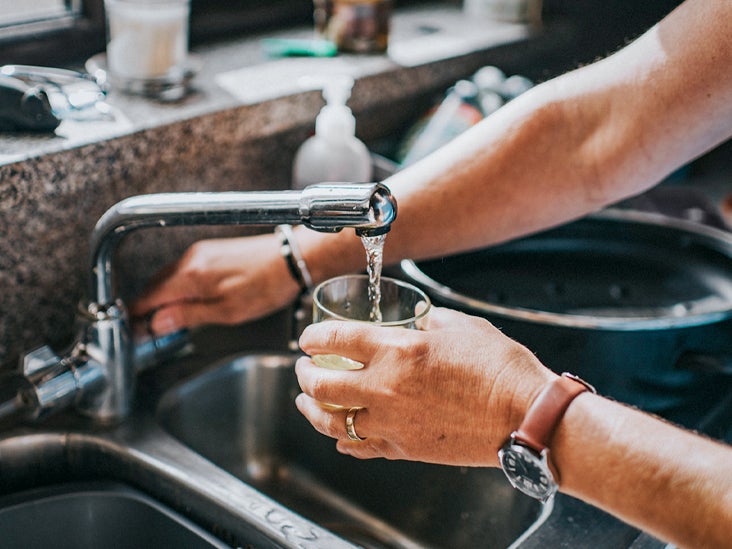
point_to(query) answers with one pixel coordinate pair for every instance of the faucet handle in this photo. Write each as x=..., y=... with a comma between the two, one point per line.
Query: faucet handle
x=150, y=350
x=48, y=383
x=38, y=359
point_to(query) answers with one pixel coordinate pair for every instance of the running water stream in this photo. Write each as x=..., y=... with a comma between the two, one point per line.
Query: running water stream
x=374, y=246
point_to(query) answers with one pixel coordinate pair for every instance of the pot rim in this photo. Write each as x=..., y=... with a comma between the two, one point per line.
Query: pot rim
x=674, y=317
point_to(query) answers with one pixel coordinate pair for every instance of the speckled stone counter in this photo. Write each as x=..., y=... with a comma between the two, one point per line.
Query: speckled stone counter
x=237, y=130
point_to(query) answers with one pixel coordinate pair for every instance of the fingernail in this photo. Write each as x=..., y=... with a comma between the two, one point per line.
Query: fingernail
x=163, y=323
x=299, y=401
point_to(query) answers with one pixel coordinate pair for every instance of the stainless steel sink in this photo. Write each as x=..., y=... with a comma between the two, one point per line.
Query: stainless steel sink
x=240, y=415
x=76, y=484
x=91, y=515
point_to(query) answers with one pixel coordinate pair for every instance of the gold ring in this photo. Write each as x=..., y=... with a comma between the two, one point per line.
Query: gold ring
x=350, y=424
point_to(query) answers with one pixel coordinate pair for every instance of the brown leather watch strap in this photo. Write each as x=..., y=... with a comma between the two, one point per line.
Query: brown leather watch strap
x=546, y=411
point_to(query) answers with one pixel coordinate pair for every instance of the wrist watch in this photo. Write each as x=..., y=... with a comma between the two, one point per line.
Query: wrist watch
x=525, y=456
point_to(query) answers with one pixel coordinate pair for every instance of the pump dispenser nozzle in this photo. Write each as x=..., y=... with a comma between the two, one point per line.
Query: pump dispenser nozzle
x=336, y=119
x=334, y=153
x=337, y=90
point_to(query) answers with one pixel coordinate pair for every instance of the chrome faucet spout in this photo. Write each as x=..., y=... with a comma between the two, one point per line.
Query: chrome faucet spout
x=369, y=209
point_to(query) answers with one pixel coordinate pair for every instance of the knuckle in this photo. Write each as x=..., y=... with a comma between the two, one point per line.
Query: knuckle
x=317, y=389
x=412, y=352
x=195, y=261
x=373, y=447
x=413, y=355
x=230, y=312
x=335, y=428
x=336, y=333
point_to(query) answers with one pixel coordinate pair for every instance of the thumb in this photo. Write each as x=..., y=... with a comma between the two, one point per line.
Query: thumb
x=442, y=318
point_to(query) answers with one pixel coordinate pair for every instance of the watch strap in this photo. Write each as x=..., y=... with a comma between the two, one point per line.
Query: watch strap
x=546, y=411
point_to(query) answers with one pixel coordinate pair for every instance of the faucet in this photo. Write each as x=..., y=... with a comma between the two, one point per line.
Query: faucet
x=97, y=375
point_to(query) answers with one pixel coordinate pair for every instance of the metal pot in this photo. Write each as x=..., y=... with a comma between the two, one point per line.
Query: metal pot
x=639, y=304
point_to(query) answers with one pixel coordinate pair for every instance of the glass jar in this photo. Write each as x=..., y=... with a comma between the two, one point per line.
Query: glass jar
x=359, y=26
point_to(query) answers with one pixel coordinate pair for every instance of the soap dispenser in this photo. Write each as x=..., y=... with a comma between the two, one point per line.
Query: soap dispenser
x=334, y=153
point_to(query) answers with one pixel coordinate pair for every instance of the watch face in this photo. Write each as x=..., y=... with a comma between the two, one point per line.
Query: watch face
x=527, y=471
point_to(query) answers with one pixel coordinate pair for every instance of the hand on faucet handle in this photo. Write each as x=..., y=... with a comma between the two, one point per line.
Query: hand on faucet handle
x=217, y=281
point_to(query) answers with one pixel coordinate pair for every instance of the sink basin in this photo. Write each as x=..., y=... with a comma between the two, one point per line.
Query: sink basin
x=73, y=484
x=90, y=515
x=240, y=415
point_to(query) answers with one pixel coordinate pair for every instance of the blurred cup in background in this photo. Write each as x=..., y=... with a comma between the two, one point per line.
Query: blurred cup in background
x=146, y=39
x=509, y=11
x=356, y=26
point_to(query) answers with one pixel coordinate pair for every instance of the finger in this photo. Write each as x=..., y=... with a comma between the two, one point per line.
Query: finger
x=328, y=421
x=369, y=448
x=166, y=288
x=186, y=314
x=339, y=387
x=354, y=340
x=442, y=318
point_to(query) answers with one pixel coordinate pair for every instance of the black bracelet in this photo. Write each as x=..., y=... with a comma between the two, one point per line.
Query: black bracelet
x=295, y=262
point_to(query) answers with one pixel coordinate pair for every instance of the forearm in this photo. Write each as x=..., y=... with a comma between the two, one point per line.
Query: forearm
x=513, y=174
x=577, y=143
x=667, y=481
x=529, y=167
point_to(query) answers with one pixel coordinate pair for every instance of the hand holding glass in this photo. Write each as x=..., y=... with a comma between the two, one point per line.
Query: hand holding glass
x=347, y=298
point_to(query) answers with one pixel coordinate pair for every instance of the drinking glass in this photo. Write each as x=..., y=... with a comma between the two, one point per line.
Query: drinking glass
x=347, y=298
x=360, y=26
